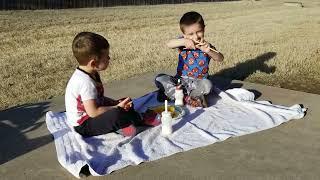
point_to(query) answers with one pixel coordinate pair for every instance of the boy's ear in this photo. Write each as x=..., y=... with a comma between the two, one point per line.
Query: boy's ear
x=92, y=63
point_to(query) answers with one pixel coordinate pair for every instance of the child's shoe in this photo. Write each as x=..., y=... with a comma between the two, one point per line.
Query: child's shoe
x=128, y=131
x=151, y=118
x=193, y=101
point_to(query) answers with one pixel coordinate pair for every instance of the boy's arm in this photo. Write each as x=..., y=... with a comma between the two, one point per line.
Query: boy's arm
x=109, y=101
x=217, y=56
x=93, y=110
x=181, y=42
x=207, y=48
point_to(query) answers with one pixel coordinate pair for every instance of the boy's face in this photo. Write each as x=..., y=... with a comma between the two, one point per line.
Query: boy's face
x=103, y=60
x=194, y=32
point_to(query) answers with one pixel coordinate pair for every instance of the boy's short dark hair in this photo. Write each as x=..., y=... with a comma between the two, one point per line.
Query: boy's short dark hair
x=190, y=18
x=88, y=44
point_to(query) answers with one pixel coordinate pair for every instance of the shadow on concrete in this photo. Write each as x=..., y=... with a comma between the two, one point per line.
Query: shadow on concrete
x=15, y=123
x=223, y=79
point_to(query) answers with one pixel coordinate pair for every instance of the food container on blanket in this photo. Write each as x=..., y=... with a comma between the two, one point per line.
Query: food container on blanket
x=176, y=111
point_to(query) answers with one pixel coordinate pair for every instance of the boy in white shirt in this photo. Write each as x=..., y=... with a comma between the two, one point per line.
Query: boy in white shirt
x=88, y=110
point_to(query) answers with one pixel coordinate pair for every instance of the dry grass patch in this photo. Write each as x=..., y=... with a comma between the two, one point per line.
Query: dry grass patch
x=37, y=61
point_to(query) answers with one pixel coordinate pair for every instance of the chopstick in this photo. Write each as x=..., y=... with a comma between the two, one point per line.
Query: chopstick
x=209, y=47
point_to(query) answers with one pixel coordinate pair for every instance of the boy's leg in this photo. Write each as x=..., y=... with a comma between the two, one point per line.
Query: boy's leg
x=201, y=87
x=197, y=91
x=166, y=84
x=110, y=121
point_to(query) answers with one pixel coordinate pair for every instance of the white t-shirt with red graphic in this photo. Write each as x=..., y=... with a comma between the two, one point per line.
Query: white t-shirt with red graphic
x=81, y=87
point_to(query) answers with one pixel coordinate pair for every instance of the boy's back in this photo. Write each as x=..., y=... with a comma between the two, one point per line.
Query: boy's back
x=81, y=87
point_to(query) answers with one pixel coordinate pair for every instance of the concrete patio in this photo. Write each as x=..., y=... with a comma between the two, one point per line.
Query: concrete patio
x=289, y=151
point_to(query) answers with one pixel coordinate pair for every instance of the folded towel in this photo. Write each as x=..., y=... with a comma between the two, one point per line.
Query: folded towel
x=232, y=113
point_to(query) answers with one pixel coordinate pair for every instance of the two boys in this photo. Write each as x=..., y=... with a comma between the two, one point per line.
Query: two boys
x=91, y=113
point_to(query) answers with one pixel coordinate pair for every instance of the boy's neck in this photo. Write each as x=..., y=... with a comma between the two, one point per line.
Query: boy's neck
x=88, y=69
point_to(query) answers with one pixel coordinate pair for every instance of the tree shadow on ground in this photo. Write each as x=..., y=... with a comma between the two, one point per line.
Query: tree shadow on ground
x=16, y=124
x=223, y=79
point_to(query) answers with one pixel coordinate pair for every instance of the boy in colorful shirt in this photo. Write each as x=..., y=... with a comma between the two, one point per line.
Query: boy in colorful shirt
x=193, y=66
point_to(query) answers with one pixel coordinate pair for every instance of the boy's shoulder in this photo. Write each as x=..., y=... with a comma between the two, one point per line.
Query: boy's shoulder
x=80, y=74
x=80, y=78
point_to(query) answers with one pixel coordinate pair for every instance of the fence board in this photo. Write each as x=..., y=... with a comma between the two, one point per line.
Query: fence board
x=65, y=4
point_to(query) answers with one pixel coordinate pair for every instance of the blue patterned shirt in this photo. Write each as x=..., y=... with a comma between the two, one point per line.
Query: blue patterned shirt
x=193, y=63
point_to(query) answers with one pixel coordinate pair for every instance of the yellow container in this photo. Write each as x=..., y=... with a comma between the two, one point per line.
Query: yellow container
x=160, y=109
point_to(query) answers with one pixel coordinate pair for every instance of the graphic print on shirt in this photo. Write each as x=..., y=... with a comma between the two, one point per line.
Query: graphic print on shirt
x=81, y=111
x=193, y=63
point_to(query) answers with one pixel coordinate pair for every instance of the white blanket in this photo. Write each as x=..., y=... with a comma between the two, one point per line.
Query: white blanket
x=232, y=113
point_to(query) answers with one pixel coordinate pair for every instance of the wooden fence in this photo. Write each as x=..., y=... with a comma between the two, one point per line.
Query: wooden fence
x=64, y=4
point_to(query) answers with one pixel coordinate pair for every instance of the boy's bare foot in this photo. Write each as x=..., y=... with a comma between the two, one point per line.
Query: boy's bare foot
x=196, y=101
x=192, y=101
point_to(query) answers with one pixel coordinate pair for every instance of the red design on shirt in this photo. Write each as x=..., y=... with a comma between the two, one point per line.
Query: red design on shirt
x=205, y=54
x=195, y=70
x=196, y=55
x=185, y=67
x=191, y=61
x=184, y=56
x=188, y=52
x=190, y=74
x=204, y=70
x=201, y=62
x=82, y=119
x=80, y=108
x=200, y=76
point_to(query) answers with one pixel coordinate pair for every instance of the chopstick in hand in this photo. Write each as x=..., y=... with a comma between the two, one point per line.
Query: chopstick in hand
x=209, y=47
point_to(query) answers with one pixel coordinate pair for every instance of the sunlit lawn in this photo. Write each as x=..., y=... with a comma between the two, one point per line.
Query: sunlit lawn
x=262, y=41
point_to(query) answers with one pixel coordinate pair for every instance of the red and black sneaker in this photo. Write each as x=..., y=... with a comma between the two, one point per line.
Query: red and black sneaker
x=128, y=131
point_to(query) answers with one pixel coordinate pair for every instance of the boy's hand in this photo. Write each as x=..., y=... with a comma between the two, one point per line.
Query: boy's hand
x=203, y=46
x=125, y=103
x=189, y=44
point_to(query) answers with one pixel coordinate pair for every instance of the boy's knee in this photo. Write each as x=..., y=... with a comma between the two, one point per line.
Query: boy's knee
x=159, y=78
x=163, y=79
